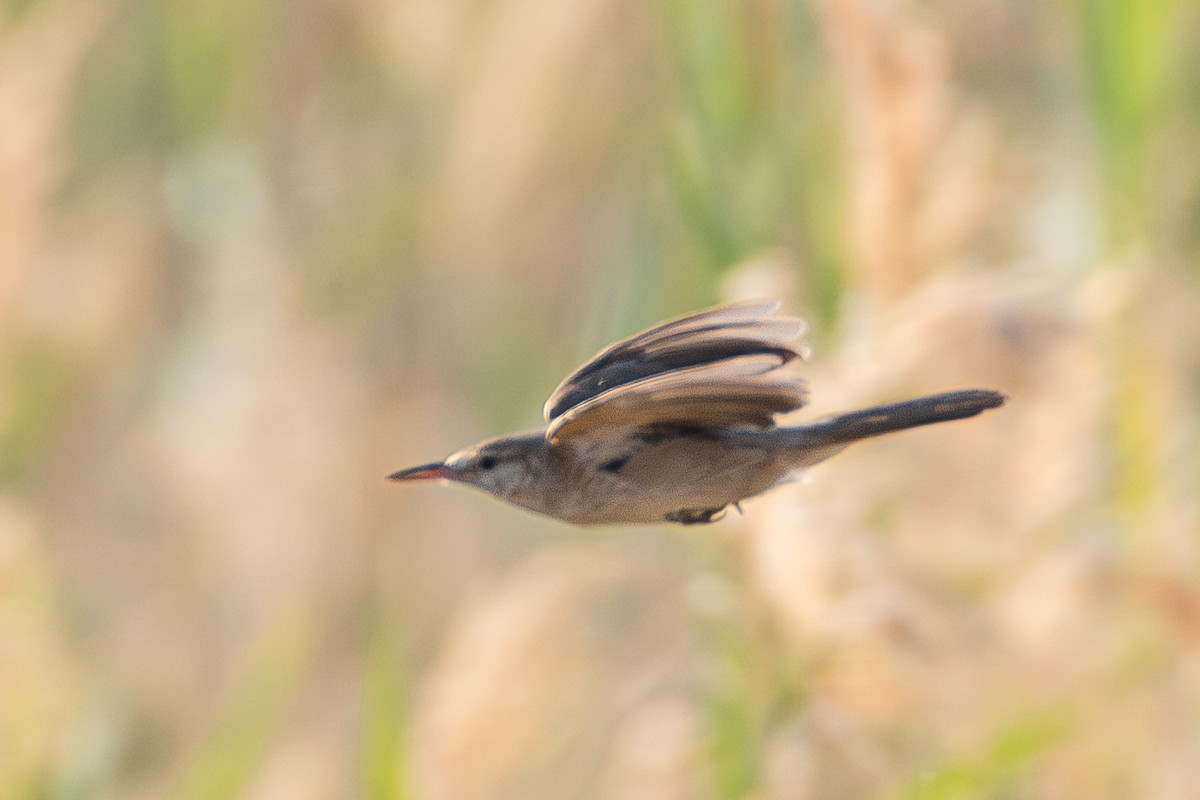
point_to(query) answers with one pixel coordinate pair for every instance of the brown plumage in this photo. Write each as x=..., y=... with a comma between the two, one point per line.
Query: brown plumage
x=676, y=423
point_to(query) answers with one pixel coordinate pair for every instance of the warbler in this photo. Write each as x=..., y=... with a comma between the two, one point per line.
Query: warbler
x=677, y=424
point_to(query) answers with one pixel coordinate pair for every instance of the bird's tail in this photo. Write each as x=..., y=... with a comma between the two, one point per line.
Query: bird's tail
x=818, y=440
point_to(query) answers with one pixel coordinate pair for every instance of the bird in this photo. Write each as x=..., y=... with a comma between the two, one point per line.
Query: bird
x=677, y=424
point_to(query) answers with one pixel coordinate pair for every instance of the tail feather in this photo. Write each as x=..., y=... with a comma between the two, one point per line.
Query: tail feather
x=944, y=407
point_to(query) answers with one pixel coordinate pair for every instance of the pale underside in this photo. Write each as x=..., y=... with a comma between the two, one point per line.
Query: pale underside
x=686, y=477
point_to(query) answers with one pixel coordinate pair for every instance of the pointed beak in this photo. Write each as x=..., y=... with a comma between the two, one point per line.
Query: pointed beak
x=425, y=472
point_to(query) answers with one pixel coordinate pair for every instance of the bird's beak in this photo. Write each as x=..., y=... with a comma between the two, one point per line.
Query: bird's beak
x=425, y=472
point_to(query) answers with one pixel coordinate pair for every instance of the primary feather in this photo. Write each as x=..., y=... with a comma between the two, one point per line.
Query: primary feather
x=711, y=369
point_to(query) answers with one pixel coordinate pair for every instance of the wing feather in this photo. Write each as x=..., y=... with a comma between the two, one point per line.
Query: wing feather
x=742, y=391
x=690, y=347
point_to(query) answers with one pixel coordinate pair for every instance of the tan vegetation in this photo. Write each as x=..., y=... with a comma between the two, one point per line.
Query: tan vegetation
x=254, y=256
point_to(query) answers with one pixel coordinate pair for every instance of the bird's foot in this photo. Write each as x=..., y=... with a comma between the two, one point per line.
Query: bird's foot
x=696, y=516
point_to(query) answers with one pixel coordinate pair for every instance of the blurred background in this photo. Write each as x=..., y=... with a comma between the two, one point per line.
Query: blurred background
x=254, y=256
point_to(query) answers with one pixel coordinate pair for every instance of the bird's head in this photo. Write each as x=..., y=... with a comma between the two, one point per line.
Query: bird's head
x=500, y=466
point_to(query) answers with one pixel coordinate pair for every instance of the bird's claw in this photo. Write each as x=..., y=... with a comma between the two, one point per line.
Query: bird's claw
x=697, y=516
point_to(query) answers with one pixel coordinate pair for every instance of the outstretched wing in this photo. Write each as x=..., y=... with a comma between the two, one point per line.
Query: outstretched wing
x=714, y=368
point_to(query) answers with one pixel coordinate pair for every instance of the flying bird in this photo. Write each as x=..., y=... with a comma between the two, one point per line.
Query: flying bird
x=677, y=424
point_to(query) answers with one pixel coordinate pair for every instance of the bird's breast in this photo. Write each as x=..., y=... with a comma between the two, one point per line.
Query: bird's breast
x=638, y=480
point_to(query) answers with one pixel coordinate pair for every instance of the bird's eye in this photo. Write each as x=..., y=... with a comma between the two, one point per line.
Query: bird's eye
x=487, y=462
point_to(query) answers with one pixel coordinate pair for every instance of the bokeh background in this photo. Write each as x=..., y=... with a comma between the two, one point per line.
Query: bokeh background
x=255, y=255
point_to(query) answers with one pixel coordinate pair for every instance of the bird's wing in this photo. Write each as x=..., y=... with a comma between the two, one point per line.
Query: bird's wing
x=714, y=368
